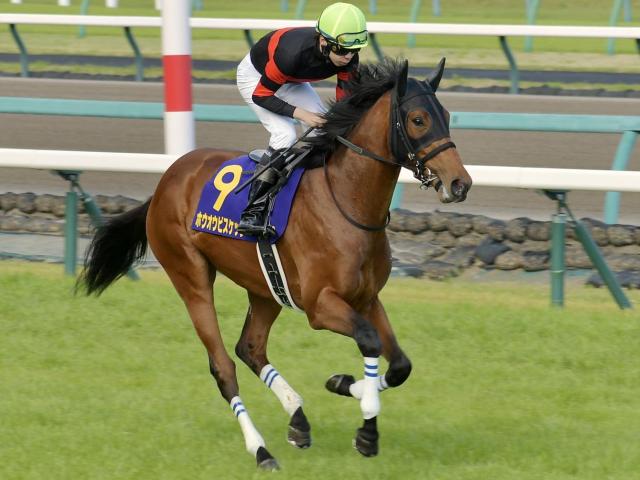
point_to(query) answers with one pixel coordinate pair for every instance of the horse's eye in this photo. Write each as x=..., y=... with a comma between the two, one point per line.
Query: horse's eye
x=418, y=121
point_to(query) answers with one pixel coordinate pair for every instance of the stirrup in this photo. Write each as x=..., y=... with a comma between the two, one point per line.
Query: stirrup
x=261, y=231
x=254, y=226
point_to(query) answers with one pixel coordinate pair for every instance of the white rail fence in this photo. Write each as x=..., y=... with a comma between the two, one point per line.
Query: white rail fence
x=248, y=24
x=373, y=27
x=483, y=175
x=549, y=179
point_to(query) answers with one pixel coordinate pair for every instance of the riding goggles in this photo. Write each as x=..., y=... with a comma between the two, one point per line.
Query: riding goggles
x=349, y=39
x=340, y=50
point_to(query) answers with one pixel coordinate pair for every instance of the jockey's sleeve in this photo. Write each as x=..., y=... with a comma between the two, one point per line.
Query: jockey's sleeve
x=280, y=67
x=344, y=77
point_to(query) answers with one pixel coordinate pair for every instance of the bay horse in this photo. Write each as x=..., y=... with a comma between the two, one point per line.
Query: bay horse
x=334, y=252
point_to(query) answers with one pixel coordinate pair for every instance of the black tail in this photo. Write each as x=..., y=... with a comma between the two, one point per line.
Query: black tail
x=116, y=246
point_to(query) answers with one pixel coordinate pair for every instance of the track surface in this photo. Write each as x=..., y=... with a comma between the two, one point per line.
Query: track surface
x=594, y=151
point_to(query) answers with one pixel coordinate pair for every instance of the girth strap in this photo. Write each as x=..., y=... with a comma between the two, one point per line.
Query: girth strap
x=274, y=274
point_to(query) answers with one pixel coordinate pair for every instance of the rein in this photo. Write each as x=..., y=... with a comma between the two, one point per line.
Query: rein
x=347, y=217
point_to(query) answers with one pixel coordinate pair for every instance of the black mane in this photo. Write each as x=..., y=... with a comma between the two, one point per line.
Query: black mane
x=368, y=85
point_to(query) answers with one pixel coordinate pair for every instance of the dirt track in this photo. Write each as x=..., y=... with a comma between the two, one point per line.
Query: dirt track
x=476, y=147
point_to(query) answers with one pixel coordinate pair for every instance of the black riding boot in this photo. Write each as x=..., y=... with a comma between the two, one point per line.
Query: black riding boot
x=252, y=220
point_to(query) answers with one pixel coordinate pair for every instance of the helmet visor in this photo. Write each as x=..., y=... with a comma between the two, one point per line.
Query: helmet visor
x=353, y=39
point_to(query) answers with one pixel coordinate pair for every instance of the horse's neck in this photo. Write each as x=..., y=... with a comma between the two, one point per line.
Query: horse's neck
x=362, y=184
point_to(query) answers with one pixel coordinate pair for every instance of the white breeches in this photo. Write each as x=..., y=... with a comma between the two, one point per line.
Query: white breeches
x=282, y=129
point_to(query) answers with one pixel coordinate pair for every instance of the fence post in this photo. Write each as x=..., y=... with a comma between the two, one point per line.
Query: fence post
x=627, y=11
x=300, y=8
x=590, y=247
x=179, y=124
x=24, y=55
x=70, y=224
x=413, y=17
x=620, y=162
x=376, y=47
x=436, y=8
x=136, y=53
x=603, y=269
x=613, y=19
x=84, y=8
x=558, y=229
x=532, y=12
x=514, y=74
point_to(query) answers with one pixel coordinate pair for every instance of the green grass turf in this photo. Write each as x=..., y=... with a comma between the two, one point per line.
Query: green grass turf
x=503, y=386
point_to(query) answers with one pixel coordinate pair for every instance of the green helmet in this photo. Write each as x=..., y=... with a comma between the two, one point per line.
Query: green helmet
x=343, y=24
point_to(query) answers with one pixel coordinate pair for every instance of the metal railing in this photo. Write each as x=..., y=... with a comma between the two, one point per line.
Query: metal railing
x=502, y=32
x=556, y=182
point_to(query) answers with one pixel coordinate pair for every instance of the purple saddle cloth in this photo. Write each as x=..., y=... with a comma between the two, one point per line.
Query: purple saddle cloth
x=219, y=208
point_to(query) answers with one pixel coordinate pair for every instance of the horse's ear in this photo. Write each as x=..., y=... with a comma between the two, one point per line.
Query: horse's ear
x=436, y=76
x=401, y=85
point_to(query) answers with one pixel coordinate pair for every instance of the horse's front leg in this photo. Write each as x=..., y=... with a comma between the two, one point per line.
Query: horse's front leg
x=399, y=364
x=331, y=312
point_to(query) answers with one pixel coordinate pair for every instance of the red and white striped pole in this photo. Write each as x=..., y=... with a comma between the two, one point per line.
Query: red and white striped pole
x=179, y=126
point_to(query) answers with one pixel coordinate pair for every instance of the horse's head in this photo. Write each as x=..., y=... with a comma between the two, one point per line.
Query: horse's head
x=420, y=138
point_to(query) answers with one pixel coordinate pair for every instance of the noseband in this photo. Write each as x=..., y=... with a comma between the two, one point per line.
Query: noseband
x=405, y=149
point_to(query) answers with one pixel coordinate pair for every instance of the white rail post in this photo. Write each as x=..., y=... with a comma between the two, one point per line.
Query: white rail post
x=179, y=125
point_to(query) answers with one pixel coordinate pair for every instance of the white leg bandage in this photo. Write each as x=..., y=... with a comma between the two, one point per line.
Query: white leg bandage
x=370, y=402
x=356, y=388
x=288, y=397
x=252, y=439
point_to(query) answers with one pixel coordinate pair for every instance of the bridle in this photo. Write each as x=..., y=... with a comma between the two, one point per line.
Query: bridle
x=403, y=148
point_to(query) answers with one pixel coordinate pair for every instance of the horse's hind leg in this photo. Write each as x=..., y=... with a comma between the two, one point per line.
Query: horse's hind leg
x=193, y=276
x=252, y=349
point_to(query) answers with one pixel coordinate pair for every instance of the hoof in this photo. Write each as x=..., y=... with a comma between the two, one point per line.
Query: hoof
x=340, y=384
x=366, y=442
x=298, y=438
x=299, y=434
x=265, y=461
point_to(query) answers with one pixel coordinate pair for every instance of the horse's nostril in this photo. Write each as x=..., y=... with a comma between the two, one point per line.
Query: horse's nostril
x=458, y=188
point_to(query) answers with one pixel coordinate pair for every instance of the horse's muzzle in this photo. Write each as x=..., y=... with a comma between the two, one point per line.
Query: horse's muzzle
x=456, y=192
x=459, y=189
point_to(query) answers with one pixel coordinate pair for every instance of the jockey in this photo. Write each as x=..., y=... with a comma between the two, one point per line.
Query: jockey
x=274, y=81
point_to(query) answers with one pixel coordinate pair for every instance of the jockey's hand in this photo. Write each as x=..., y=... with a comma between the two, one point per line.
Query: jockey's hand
x=310, y=118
